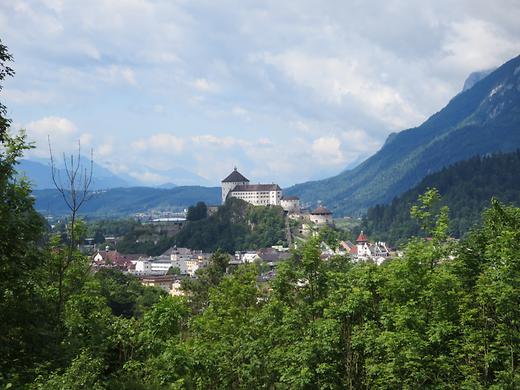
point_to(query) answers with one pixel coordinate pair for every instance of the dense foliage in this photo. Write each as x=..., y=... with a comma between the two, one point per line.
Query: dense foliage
x=466, y=188
x=483, y=119
x=236, y=225
x=151, y=239
x=5, y=70
x=197, y=212
x=445, y=315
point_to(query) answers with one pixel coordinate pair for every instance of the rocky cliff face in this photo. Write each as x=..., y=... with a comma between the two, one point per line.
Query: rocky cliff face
x=475, y=77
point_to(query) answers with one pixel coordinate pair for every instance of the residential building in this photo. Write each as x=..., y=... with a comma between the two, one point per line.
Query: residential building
x=365, y=250
x=164, y=282
x=246, y=256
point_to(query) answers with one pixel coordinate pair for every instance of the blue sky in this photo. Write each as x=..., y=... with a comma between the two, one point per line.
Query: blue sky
x=287, y=91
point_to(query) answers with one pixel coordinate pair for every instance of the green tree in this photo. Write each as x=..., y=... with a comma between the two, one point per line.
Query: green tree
x=5, y=70
x=489, y=266
x=197, y=212
x=24, y=323
x=207, y=278
x=99, y=238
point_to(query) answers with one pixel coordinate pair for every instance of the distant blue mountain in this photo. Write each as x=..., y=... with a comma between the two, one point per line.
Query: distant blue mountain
x=40, y=175
x=131, y=200
x=183, y=177
x=167, y=186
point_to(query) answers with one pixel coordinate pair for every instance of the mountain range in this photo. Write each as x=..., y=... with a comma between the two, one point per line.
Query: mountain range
x=127, y=201
x=38, y=171
x=484, y=118
x=40, y=175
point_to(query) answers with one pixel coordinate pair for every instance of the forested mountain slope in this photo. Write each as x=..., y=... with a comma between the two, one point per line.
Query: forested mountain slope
x=466, y=188
x=483, y=119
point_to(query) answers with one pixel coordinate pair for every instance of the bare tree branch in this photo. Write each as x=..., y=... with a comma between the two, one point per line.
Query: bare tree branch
x=75, y=193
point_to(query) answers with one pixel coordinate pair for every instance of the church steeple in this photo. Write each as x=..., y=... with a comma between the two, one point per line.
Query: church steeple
x=361, y=238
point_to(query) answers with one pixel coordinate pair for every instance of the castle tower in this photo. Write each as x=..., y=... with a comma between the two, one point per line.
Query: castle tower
x=362, y=245
x=234, y=179
x=362, y=238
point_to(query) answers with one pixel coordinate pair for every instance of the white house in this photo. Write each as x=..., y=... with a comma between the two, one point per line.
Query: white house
x=142, y=267
x=364, y=250
x=161, y=265
x=246, y=257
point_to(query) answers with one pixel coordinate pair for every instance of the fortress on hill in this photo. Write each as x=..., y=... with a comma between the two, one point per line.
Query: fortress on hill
x=236, y=185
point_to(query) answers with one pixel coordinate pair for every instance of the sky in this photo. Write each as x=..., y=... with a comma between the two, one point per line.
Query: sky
x=287, y=91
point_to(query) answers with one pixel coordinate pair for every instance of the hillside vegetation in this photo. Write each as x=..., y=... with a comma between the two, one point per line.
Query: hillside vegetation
x=466, y=188
x=483, y=119
x=236, y=225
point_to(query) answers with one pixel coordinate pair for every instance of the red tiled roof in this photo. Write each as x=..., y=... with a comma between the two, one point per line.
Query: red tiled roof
x=321, y=211
x=346, y=244
x=362, y=237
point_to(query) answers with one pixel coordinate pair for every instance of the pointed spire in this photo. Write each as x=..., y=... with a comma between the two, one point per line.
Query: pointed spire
x=361, y=238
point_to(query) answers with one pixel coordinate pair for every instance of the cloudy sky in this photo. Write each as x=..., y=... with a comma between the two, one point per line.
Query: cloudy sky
x=286, y=90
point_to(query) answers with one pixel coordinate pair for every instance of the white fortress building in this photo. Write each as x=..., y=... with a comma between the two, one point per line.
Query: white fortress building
x=236, y=185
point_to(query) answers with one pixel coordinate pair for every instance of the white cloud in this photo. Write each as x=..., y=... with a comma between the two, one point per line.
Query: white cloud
x=51, y=125
x=205, y=85
x=158, y=108
x=358, y=141
x=28, y=96
x=86, y=139
x=150, y=178
x=327, y=150
x=62, y=133
x=330, y=79
x=212, y=140
x=474, y=44
x=105, y=149
x=116, y=74
x=337, y=81
x=163, y=142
